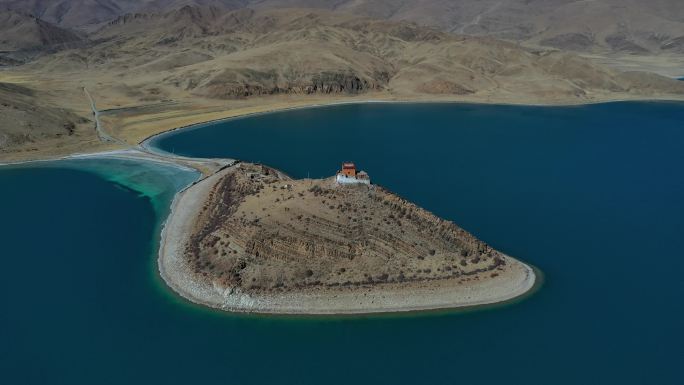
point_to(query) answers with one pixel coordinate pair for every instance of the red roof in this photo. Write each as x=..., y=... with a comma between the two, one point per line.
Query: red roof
x=348, y=165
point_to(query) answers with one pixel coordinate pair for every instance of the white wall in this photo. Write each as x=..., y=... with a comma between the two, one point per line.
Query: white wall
x=341, y=179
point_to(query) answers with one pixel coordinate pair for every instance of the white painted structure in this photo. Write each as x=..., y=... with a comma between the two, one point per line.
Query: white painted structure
x=343, y=179
x=348, y=175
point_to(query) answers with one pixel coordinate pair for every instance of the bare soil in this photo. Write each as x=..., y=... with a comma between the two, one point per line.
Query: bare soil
x=260, y=231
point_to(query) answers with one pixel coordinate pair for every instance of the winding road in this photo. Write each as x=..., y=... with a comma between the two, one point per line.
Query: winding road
x=101, y=134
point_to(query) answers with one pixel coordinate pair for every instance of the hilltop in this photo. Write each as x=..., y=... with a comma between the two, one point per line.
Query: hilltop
x=252, y=239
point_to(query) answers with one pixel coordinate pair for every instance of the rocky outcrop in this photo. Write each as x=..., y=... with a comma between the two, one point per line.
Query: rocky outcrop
x=336, y=82
x=259, y=83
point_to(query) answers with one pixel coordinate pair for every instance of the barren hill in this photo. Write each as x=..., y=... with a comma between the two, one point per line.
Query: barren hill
x=24, y=36
x=30, y=121
x=72, y=13
x=616, y=26
x=628, y=26
x=208, y=52
x=254, y=240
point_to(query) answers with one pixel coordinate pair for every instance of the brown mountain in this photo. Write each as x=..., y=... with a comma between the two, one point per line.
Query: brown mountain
x=208, y=52
x=215, y=53
x=19, y=31
x=633, y=26
x=72, y=13
x=82, y=13
x=23, y=36
x=614, y=26
x=30, y=120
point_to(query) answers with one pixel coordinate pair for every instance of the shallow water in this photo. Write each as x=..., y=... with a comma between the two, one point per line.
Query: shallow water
x=592, y=195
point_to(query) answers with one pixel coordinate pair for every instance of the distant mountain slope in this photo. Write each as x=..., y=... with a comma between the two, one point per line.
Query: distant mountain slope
x=209, y=52
x=615, y=26
x=72, y=13
x=22, y=31
x=23, y=36
x=78, y=13
x=621, y=26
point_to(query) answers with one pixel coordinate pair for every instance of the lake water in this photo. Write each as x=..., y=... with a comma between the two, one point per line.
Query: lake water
x=592, y=195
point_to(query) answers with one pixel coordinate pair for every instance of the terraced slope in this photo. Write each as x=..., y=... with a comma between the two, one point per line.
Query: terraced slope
x=261, y=232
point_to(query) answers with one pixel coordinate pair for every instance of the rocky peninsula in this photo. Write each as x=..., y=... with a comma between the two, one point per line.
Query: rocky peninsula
x=251, y=239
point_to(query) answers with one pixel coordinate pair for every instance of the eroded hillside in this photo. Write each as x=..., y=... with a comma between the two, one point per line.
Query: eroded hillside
x=29, y=121
x=259, y=231
x=610, y=26
x=216, y=54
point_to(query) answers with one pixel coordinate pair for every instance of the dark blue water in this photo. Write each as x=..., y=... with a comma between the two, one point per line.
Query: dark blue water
x=593, y=196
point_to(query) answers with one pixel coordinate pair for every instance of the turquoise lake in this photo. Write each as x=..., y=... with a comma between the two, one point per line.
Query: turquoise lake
x=591, y=195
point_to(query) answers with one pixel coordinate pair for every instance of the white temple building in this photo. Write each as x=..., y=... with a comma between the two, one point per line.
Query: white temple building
x=349, y=175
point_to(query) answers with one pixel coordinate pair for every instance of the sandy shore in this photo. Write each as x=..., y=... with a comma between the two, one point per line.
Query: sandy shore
x=440, y=294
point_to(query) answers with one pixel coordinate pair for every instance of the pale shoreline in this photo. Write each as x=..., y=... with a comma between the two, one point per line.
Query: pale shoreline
x=387, y=299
